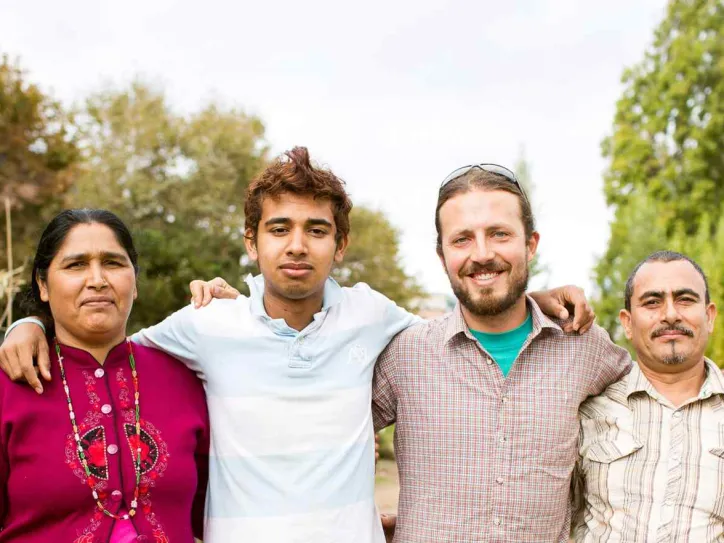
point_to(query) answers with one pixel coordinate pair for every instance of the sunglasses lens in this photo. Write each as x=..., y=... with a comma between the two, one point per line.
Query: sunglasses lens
x=457, y=173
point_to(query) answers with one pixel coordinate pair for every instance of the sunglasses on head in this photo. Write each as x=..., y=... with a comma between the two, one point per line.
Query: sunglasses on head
x=492, y=168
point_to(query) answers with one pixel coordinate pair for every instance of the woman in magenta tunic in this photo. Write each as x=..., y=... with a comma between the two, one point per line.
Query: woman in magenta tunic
x=116, y=449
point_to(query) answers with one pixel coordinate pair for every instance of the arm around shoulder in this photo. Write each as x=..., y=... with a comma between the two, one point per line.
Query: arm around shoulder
x=176, y=335
x=613, y=361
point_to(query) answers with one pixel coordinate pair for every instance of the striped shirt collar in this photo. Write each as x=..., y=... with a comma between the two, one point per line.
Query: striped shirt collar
x=332, y=295
x=456, y=323
x=636, y=381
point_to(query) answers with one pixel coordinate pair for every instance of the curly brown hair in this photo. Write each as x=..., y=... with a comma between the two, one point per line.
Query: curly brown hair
x=293, y=172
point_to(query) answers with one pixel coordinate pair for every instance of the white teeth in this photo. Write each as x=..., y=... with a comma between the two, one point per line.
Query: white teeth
x=485, y=276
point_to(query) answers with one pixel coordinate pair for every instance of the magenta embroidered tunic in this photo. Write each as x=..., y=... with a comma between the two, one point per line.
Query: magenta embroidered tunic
x=44, y=492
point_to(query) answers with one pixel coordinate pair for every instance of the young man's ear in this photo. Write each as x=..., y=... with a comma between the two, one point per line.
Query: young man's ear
x=250, y=244
x=342, y=245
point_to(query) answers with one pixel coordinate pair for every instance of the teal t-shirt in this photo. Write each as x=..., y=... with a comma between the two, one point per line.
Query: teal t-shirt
x=504, y=347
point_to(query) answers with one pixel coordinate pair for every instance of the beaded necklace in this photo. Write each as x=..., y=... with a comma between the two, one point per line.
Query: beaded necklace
x=76, y=435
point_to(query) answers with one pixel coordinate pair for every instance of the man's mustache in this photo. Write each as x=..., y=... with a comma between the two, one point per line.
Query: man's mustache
x=675, y=328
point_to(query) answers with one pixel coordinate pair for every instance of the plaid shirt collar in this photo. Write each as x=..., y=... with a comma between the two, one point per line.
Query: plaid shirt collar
x=456, y=322
x=636, y=381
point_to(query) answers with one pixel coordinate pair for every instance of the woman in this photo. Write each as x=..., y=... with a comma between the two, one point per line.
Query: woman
x=116, y=448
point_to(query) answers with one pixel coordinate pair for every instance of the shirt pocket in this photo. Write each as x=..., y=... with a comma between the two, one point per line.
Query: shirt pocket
x=607, y=440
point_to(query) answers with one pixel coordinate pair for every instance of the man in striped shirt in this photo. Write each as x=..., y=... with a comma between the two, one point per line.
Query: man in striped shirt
x=651, y=446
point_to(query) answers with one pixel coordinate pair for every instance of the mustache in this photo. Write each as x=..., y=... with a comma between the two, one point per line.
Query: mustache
x=675, y=328
x=492, y=267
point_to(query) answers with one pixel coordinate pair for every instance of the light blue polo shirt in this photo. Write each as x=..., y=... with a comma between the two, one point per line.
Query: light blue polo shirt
x=292, y=440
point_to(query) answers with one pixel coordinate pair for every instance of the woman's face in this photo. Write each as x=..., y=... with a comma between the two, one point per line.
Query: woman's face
x=90, y=286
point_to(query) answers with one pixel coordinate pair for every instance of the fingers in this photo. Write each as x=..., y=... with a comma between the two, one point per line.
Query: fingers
x=222, y=289
x=389, y=523
x=44, y=360
x=583, y=315
x=25, y=361
x=197, y=292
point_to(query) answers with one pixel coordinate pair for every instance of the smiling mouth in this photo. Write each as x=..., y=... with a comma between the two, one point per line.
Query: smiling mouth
x=485, y=278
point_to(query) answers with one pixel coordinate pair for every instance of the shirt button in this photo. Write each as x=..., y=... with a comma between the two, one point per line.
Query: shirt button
x=99, y=373
x=106, y=408
x=499, y=480
x=496, y=521
x=489, y=361
x=677, y=414
x=112, y=448
x=116, y=495
x=505, y=399
x=503, y=439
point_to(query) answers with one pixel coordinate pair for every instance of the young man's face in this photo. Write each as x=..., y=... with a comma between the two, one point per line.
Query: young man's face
x=295, y=245
x=484, y=250
x=669, y=322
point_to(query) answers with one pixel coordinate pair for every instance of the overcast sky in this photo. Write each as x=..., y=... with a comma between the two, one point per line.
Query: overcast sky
x=391, y=95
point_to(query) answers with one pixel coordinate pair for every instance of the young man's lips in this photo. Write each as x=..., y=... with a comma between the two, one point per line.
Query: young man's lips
x=296, y=270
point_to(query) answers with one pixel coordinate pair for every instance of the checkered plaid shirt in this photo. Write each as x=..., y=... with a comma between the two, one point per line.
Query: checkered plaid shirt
x=483, y=458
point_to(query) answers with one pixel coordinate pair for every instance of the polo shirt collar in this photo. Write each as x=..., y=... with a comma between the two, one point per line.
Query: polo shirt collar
x=332, y=294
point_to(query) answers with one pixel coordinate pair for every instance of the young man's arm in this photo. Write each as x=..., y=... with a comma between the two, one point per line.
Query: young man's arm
x=175, y=335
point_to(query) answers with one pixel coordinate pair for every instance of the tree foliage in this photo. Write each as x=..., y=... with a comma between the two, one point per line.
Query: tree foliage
x=177, y=181
x=38, y=155
x=373, y=257
x=665, y=179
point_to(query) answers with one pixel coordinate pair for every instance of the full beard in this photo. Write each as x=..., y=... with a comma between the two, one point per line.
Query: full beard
x=488, y=305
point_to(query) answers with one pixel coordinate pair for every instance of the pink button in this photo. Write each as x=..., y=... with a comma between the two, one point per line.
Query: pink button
x=112, y=448
x=106, y=408
x=116, y=495
x=99, y=373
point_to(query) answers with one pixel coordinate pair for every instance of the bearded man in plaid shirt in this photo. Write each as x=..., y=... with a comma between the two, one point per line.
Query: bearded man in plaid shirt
x=486, y=398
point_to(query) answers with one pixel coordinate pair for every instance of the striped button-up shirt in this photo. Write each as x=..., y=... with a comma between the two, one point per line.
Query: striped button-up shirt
x=483, y=458
x=649, y=471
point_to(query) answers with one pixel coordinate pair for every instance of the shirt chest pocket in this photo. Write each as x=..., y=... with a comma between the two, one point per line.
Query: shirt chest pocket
x=607, y=441
x=608, y=452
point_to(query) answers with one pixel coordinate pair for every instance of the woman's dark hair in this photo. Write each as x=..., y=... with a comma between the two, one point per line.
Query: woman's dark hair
x=50, y=242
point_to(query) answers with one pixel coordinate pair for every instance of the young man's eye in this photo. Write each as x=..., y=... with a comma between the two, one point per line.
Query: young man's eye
x=500, y=234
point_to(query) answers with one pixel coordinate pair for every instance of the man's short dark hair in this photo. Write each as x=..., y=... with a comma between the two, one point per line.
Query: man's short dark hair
x=662, y=256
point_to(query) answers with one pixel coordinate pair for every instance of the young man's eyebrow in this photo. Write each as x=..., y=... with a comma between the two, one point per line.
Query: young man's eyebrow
x=319, y=222
x=277, y=220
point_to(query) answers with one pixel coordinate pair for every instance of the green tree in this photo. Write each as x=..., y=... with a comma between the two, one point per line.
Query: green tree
x=38, y=154
x=373, y=257
x=178, y=182
x=665, y=177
